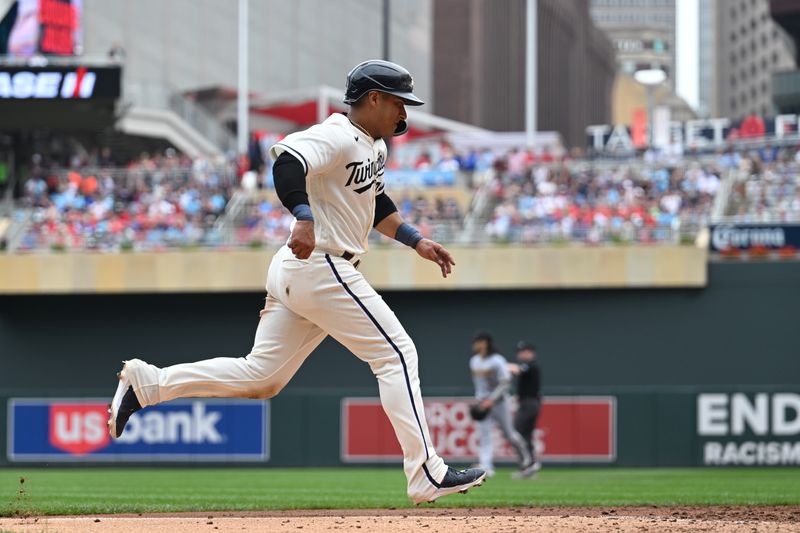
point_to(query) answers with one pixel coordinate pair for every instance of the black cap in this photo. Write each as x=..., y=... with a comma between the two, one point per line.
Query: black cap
x=482, y=336
x=383, y=76
x=525, y=345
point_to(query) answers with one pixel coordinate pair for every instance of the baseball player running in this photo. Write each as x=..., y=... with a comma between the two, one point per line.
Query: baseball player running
x=330, y=177
x=492, y=380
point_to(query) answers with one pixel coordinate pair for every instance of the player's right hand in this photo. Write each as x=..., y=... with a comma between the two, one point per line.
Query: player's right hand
x=302, y=241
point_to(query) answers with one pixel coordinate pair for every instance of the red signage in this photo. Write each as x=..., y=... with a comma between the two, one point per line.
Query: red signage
x=570, y=429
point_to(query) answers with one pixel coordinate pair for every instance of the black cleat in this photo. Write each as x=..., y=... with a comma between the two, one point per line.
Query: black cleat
x=457, y=481
x=124, y=404
x=456, y=478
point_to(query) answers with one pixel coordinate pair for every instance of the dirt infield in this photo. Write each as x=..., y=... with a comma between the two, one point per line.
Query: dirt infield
x=558, y=519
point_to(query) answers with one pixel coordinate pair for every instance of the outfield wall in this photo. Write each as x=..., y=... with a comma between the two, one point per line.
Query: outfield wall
x=654, y=351
x=741, y=426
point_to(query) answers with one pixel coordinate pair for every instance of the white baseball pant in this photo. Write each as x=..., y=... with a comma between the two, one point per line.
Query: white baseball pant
x=307, y=300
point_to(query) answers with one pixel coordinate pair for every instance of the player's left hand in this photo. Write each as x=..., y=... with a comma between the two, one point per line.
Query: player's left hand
x=433, y=251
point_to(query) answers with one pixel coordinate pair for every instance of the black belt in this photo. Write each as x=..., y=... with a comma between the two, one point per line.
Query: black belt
x=347, y=256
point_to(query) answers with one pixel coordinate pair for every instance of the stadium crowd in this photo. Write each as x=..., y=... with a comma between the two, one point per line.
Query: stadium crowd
x=595, y=204
x=654, y=199
x=168, y=200
x=156, y=201
x=162, y=201
x=767, y=188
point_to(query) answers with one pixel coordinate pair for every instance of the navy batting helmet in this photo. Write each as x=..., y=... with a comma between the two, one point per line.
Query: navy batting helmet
x=383, y=76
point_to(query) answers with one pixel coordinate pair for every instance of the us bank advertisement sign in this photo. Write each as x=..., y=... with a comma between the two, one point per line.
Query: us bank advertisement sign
x=749, y=429
x=569, y=429
x=75, y=430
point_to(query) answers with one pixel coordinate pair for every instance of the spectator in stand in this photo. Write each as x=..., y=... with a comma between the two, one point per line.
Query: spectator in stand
x=423, y=162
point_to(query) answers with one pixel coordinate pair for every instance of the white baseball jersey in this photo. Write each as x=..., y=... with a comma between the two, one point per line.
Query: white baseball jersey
x=324, y=294
x=344, y=172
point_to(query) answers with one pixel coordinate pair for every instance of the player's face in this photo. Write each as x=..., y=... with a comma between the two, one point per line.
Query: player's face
x=480, y=346
x=526, y=355
x=390, y=111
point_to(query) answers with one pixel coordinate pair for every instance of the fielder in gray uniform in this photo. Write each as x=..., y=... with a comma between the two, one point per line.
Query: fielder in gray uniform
x=492, y=382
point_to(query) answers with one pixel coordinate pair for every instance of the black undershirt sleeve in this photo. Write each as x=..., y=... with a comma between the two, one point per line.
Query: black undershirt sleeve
x=384, y=206
x=290, y=181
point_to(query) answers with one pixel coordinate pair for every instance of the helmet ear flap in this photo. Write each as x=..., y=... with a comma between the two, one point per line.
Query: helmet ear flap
x=402, y=127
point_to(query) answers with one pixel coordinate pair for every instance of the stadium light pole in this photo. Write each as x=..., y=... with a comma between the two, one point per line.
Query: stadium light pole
x=386, y=30
x=242, y=107
x=530, y=73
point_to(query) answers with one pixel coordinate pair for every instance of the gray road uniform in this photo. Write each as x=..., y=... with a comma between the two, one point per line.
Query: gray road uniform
x=492, y=380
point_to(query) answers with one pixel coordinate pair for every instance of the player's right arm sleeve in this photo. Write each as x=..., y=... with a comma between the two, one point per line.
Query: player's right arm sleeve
x=384, y=206
x=290, y=181
x=317, y=148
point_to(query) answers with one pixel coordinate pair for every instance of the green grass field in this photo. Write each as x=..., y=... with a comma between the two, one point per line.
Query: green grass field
x=50, y=491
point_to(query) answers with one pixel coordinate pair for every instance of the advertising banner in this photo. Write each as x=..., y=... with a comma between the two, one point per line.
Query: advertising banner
x=699, y=134
x=75, y=430
x=570, y=429
x=59, y=83
x=748, y=236
x=408, y=179
x=749, y=429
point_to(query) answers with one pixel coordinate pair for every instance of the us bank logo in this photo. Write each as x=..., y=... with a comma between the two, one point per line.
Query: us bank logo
x=74, y=430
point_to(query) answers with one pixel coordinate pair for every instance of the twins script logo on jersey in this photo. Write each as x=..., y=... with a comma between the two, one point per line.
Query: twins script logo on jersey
x=25, y=84
x=75, y=430
x=363, y=174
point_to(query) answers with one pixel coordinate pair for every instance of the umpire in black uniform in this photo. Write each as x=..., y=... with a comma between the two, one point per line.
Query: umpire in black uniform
x=529, y=381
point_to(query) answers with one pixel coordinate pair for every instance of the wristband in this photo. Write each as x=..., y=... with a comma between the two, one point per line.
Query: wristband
x=302, y=212
x=408, y=235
